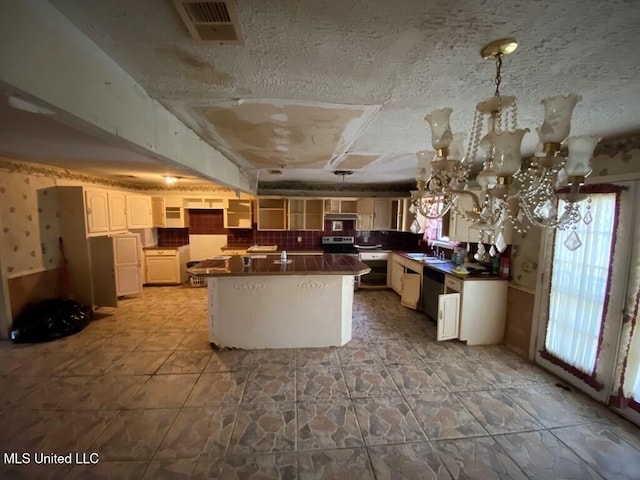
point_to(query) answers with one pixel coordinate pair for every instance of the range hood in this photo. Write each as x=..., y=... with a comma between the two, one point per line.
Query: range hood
x=341, y=216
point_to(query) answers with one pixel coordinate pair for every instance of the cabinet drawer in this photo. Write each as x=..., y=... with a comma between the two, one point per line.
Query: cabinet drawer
x=161, y=253
x=452, y=283
x=364, y=256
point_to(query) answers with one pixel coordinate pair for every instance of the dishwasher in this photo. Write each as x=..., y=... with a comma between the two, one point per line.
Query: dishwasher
x=432, y=288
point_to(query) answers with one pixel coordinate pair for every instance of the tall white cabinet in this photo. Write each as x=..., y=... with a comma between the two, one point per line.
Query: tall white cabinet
x=100, y=270
x=116, y=263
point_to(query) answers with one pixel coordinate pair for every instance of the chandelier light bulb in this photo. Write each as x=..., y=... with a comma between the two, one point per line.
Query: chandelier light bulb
x=557, y=117
x=441, y=135
x=580, y=153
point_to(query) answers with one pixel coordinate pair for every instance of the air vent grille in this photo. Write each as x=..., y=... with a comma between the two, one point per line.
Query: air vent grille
x=211, y=22
x=208, y=12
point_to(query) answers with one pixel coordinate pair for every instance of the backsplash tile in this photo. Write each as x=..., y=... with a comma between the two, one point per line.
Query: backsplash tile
x=173, y=237
x=206, y=222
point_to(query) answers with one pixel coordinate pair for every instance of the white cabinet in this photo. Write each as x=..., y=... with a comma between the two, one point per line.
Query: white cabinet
x=340, y=205
x=404, y=276
x=165, y=214
x=272, y=214
x=482, y=309
x=166, y=266
x=411, y=290
x=373, y=214
x=97, y=211
x=116, y=267
x=365, y=211
x=382, y=214
x=306, y=214
x=237, y=213
x=117, y=211
x=448, y=316
x=139, y=211
x=396, y=271
x=401, y=216
x=157, y=212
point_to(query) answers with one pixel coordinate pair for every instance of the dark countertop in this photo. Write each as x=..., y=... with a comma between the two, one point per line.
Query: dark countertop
x=158, y=247
x=296, y=265
x=313, y=251
x=447, y=268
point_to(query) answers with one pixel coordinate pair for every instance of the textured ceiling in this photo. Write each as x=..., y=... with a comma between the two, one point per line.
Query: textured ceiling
x=318, y=83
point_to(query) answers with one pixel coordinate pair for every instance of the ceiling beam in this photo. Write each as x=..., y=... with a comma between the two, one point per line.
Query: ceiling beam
x=43, y=55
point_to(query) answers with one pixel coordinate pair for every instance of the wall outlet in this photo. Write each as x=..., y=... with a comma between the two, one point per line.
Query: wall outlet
x=366, y=239
x=299, y=239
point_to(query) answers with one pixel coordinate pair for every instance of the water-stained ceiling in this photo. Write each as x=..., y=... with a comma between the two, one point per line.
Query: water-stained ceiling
x=324, y=85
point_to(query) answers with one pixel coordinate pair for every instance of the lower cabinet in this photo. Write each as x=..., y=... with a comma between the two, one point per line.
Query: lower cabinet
x=166, y=266
x=477, y=307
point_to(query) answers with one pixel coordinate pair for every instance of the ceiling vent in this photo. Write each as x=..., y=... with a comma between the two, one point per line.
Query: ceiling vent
x=211, y=22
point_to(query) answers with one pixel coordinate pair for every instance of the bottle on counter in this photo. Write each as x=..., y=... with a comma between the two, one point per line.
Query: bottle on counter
x=283, y=256
x=504, y=267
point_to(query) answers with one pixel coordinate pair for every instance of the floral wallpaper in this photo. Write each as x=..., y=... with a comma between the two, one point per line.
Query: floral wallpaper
x=29, y=223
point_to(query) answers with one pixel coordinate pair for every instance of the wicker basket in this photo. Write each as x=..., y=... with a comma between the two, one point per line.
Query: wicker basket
x=198, y=281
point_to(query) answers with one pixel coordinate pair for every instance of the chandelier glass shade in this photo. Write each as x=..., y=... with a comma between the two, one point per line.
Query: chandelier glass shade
x=543, y=191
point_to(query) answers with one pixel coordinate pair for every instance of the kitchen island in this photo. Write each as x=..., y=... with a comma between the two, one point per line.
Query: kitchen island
x=304, y=302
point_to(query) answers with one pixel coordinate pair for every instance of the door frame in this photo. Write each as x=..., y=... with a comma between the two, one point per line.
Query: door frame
x=605, y=366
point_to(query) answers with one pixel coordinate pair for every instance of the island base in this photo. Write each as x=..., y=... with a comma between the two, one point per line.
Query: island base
x=284, y=311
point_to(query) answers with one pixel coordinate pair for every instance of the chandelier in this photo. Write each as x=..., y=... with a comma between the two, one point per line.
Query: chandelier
x=543, y=192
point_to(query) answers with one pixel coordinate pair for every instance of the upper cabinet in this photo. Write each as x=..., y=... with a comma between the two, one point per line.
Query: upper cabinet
x=382, y=214
x=167, y=212
x=97, y=211
x=139, y=211
x=463, y=230
x=401, y=216
x=365, y=210
x=338, y=205
x=117, y=211
x=306, y=214
x=272, y=214
x=237, y=213
x=374, y=214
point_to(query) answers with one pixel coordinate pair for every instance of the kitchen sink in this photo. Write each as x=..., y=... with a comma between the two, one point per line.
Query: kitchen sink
x=423, y=257
x=418, y=256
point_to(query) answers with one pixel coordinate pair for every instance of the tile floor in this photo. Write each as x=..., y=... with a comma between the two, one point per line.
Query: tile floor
x=142, y=388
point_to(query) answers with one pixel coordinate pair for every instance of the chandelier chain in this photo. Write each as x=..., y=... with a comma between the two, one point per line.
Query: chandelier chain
x=498, y=79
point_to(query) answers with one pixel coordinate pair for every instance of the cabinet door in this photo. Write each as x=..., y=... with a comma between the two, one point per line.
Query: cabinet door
x=364, y=221
x=448, y=316
x=139, y=211
x=410, y=290
x=382, y=214
x=157, y=212
x=97, y=210
x=117, y=211
x=127, y=264
x=162, y=270
x=397, y=270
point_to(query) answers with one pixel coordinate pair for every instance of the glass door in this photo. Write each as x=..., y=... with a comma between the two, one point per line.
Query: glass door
x=625, y=396
x=584, y=294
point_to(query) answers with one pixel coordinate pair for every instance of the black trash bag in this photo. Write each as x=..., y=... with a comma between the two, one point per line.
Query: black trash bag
x=49, y=320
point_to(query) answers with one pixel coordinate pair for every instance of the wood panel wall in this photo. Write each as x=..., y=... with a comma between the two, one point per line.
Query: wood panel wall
x=31, y=289
x=519, y=322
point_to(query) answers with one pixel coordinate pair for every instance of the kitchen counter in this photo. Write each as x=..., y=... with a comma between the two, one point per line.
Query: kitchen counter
x=306, y=302
x=270, y=265
x=314, y=251
x=447, y=268
x=158, y=247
